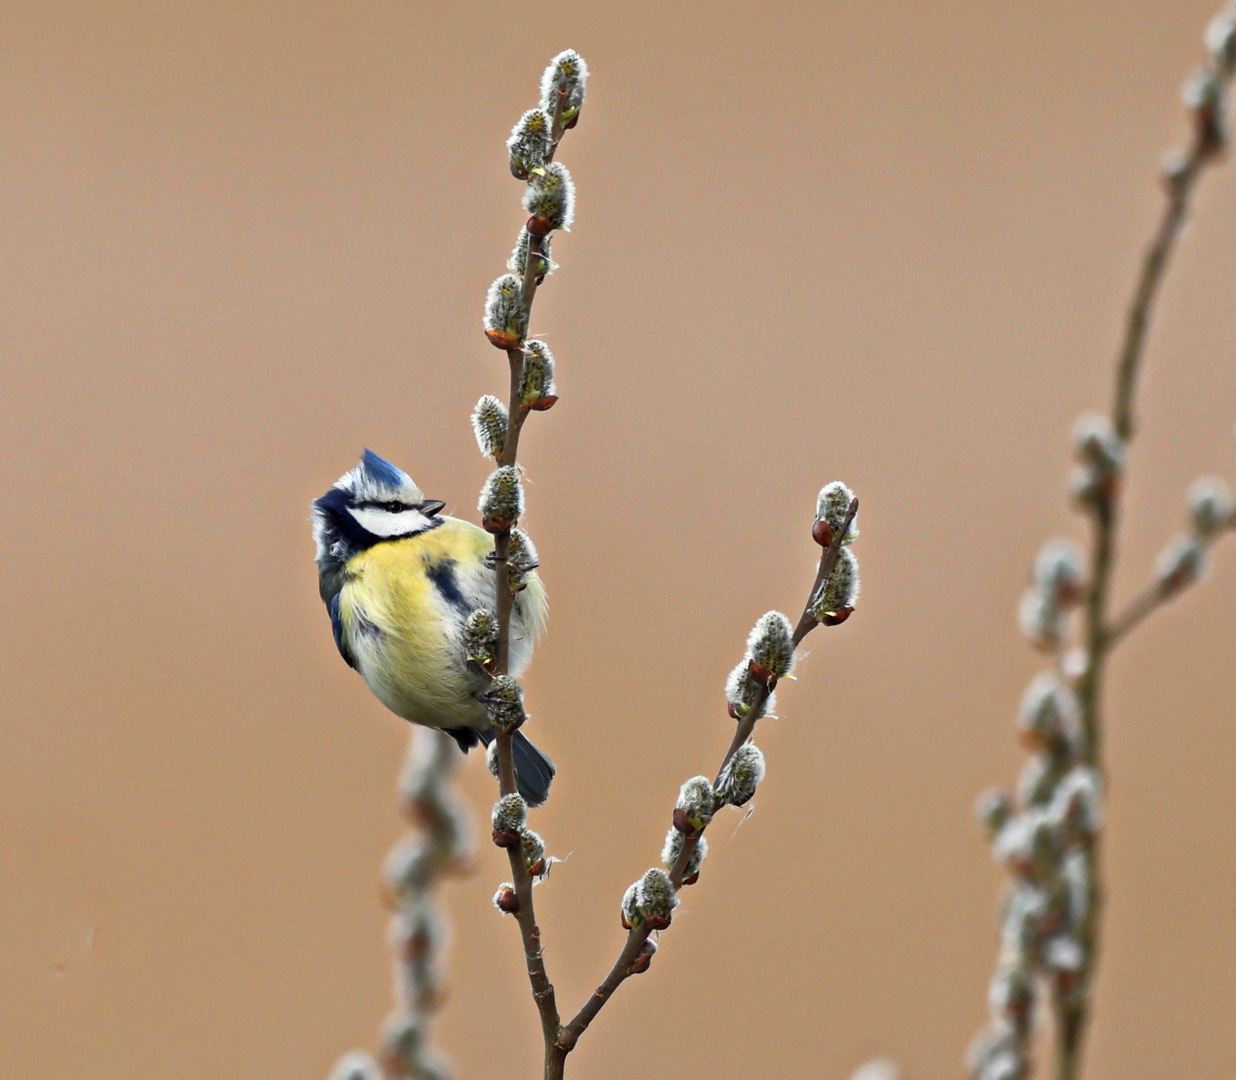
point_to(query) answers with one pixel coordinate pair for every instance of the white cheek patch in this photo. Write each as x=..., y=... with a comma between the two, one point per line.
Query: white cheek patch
x=384, y=523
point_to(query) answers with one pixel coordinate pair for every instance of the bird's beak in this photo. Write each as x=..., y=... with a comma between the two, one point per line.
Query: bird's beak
x=429, y=507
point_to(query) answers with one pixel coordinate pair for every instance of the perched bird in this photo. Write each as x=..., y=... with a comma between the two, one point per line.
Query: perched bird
x=400, y=580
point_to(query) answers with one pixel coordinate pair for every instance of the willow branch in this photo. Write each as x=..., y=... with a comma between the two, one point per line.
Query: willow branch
x=517, y=413
x=1100, y=637
x=1155, y=595
x=1180, y=185
x=525, y=915
x=633, y=947
x=414, y=873
x=1139, y=608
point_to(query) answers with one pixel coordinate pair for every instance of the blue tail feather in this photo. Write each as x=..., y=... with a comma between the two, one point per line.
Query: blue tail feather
x=534, y=771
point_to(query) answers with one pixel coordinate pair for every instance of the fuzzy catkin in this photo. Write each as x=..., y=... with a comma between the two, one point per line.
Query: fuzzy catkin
x=537, y=378
x=489, y=424
x=1049, y=711
x=481, y=635
x=771, y=644
x=504, y=700
x=522, y=559
x=509, y=814
x=742, y=692
x=534, y=854
x=565, y=78
x=840, y=591
x=550, y=200
x=741, y=776
x=518, y=262
x=502, y=497
x=631, y=917
x=506, y=317
x=531, y=143
x=1211, y=507
x=672, y=848
x=696, y=804
x=1220, y=40
x=656, y=896
x=832, y=505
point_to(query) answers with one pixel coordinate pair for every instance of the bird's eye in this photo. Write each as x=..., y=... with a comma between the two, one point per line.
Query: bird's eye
x=394, y=507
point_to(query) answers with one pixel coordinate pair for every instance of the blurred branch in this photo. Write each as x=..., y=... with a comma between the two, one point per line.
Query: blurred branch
x=414, y=870
x=1050, y=836
x=1207, y=101
x=1181, y=563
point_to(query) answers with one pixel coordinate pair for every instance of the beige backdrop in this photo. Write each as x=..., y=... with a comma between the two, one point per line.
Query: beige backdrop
x=883, y=242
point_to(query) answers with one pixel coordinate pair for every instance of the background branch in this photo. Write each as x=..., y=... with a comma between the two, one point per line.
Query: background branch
x=1051, y=842
x=414, y=871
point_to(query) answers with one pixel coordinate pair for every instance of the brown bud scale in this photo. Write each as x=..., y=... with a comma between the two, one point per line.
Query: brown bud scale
x=642, y=963
x=540, y=226
x=502, y=339
x=506, y=839
x=761, y=675
x=822, y=533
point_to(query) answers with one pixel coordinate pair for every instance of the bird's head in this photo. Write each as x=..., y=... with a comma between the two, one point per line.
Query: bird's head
x=373, y=502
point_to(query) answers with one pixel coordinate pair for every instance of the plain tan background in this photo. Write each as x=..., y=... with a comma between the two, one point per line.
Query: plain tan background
x=883, y=242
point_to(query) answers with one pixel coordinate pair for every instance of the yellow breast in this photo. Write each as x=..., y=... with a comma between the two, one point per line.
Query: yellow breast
x=403, y=608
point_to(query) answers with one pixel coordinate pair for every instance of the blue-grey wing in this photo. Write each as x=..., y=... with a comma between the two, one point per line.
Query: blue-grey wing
x=336, y=625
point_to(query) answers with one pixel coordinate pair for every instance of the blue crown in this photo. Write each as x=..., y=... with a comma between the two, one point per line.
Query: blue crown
x=380, y=471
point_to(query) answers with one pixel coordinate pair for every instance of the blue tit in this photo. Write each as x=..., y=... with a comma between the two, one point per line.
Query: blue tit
x=400, y=579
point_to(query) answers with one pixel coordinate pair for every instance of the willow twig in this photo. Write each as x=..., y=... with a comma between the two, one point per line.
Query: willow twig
x=1141, y=606
x=770, y=647
x=1050, y=836
x=1099, y=636
x=632, y=948
x=414, y=872
x=517, y=413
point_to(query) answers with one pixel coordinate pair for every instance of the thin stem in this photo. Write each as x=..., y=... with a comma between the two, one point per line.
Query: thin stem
x=530, y=933
x=506, y=602
x=636, y=937
x=1151, y=599
x=1140, y=607
x=517, y=413
x=557, y=130
x=525, y=915
x=1073, y=1013
x=1179, y=187
x=806, y=623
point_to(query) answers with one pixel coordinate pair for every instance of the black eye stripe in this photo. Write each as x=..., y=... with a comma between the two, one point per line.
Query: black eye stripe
x=391, y=507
